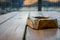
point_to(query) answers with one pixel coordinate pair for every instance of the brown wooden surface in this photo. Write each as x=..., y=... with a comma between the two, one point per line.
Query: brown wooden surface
x=45, y=34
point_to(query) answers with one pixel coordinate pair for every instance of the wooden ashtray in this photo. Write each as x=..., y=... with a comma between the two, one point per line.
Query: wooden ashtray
x=41, y=22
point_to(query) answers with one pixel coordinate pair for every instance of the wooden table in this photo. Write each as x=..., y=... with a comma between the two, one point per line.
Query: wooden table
x=45, y=34
x=13, y=28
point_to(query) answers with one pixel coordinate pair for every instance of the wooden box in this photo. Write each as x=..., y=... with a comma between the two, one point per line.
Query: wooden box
x=42, y=22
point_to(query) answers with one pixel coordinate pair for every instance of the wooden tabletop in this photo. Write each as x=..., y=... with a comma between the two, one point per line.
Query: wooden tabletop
x=13, y=28
x=45, y=34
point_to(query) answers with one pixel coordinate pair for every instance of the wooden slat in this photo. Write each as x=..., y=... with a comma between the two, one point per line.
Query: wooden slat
x=13, y=29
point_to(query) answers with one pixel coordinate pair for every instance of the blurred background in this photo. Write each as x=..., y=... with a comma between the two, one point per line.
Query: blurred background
x=28, y=5
x=51, y=5
x=17, y=5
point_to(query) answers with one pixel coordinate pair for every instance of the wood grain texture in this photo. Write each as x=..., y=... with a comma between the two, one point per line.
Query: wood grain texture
x=46, y=34
x=13, y=29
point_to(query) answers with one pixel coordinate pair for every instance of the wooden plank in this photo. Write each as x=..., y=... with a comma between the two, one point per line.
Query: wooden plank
x=46, y=34
x=6, y=16
x=13, y=29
